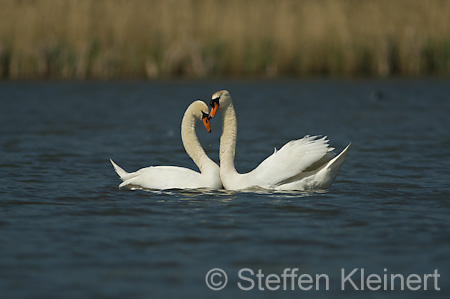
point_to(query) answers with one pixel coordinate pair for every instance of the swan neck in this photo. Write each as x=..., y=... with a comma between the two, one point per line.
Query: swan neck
x=191, y=144
x=228, y=139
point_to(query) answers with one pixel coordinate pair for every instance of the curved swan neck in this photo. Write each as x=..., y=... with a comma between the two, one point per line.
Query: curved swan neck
x=191, y=144
x=228, y=139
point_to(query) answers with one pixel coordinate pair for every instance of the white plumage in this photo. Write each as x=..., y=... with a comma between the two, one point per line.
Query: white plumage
x=304, y=164
x=174, y=177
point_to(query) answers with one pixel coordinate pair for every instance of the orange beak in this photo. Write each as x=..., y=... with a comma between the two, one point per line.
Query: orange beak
x=215, y=106
x=205, y=120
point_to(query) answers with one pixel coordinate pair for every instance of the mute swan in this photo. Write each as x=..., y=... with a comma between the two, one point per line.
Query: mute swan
x=173, y=177
x=303, y=164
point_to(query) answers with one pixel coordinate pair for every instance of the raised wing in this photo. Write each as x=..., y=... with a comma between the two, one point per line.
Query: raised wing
x=293, y=158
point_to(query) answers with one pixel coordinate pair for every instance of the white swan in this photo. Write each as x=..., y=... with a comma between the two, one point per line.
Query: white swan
x=173, y=177
x=303, y=164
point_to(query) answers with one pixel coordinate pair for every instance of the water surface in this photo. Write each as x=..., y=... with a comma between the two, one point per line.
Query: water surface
x=67, y=231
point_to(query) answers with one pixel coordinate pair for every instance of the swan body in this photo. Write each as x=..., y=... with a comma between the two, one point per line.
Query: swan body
x=174, y=177
x=304, y=164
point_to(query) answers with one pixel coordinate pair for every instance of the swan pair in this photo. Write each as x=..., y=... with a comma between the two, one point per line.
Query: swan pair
x=304, y=164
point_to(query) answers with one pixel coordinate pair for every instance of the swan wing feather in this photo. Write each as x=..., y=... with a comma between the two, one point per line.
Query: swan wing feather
x=293, y=158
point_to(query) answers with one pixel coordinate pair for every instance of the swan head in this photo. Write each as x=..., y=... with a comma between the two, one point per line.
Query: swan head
x=200, y=110
x=219, y=99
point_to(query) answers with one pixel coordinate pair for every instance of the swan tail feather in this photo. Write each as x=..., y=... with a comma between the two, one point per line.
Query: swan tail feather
x=329, y=172
x=119, y=170
x=341, y=157
x=317, y=179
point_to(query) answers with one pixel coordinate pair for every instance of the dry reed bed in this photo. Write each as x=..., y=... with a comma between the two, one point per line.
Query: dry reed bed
x=136, y=39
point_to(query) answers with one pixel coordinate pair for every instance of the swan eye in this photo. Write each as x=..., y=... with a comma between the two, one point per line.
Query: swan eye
x=204, y=114
x=214, y=101
x=215, y=105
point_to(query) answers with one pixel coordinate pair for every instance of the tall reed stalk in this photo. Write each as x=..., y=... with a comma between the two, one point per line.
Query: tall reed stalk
x=198, y=38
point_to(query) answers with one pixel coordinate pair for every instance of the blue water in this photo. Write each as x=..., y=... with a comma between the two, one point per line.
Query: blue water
x=67, y=231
